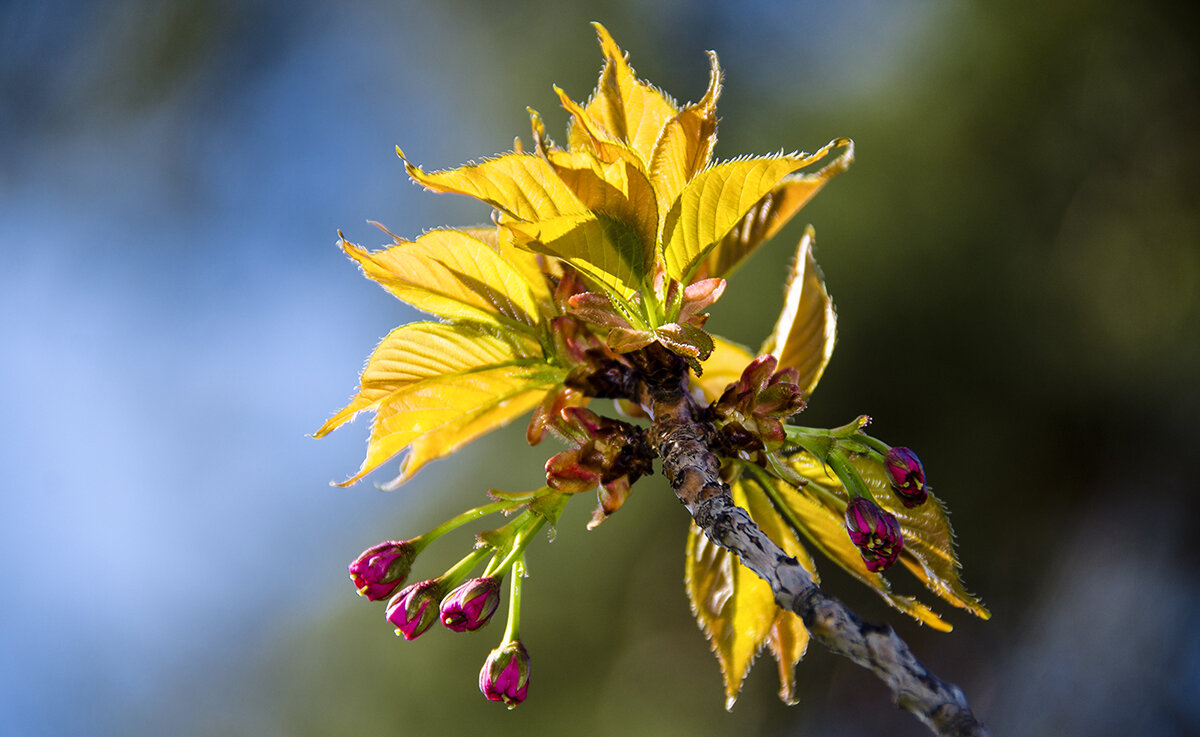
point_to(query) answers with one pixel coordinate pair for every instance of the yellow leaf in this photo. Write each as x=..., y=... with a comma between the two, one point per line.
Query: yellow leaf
x=618, y=189
x=714, y=201
x=788, y=641
x=454, y=275
x=734, y=607
x=806, y=330
x=421, y=350
x=819, y=509
x=722, y=368
x=686, y=145
x=452, y=436
x=928, y=539
x=520, y=185
x=586, y=134
x=776, y=208
x=606, y=250
x=445, y=409
x=627, y=108
x=523, y=261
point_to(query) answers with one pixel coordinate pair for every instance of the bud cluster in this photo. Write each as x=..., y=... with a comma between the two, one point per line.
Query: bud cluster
x=611, y=454
x=460, y=599
x=751, y=410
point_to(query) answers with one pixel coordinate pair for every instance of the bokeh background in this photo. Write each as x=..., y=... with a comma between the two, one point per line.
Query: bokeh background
x=1015, y=257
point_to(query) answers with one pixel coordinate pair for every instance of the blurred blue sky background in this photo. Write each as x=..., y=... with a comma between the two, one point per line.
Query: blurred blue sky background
x=176, y=320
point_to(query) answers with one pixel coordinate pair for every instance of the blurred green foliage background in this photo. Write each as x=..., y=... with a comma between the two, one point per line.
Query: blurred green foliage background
x=1015, y=257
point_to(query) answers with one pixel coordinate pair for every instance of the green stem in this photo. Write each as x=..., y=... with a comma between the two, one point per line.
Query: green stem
x=878, y=447
x=512, y=629
x=460, y=570
x=855, y=486
x=421, y=541
x=524, y=533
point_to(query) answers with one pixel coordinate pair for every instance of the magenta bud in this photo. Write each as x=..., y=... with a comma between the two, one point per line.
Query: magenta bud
x=505, y=674
x=907, y=476
x=470, y=606
x=875, y=532
x=415, y=608
x=380, y=569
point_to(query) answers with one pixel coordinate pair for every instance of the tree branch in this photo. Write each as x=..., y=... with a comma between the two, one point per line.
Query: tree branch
x=683, y=438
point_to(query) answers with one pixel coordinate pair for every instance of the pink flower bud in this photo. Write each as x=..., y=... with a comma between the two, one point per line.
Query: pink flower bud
x=470, y=606
x=379, y=570
x=415, y=608
x=907, y=475
x=875, y=532
x=505, y=674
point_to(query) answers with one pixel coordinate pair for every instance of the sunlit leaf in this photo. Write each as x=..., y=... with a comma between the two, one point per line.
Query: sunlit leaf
x=716, y=200
x=420, y=350
x=805, y=332
x=520, y=185
x=776, y=208
x=686, y=339
x=523, y=261
x=627, y=108
x=606, y=250
x=453, y=275
x=457, y=433
x=617, y=189
x=788, y=642
x=685, y=147
x=448, y=408
x=722, y=368
x=585, y=134
x=733, y=606
x=928, y=540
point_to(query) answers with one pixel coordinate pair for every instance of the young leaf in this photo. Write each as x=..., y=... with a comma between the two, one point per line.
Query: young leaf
x=928, y=539
x=821, y=505
x=806, y=330
x=454, y=275
x=522, y=186
x=526, y=262
x=627, y=108
x=446, y=408
x=723, y=367
x=733, y=606
x=775, y=209
x=421, y=350
x=685, y=147
x=606, y=250
x=457, y=433
x=617, y=189
x=788, y=642
x=716, y=200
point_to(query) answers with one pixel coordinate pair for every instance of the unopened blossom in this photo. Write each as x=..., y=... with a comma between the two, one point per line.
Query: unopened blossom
x=471, y=605
x=415, y=608
x=875, y=532
x=505, y=674
x=907, y=476
x=380, y=569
